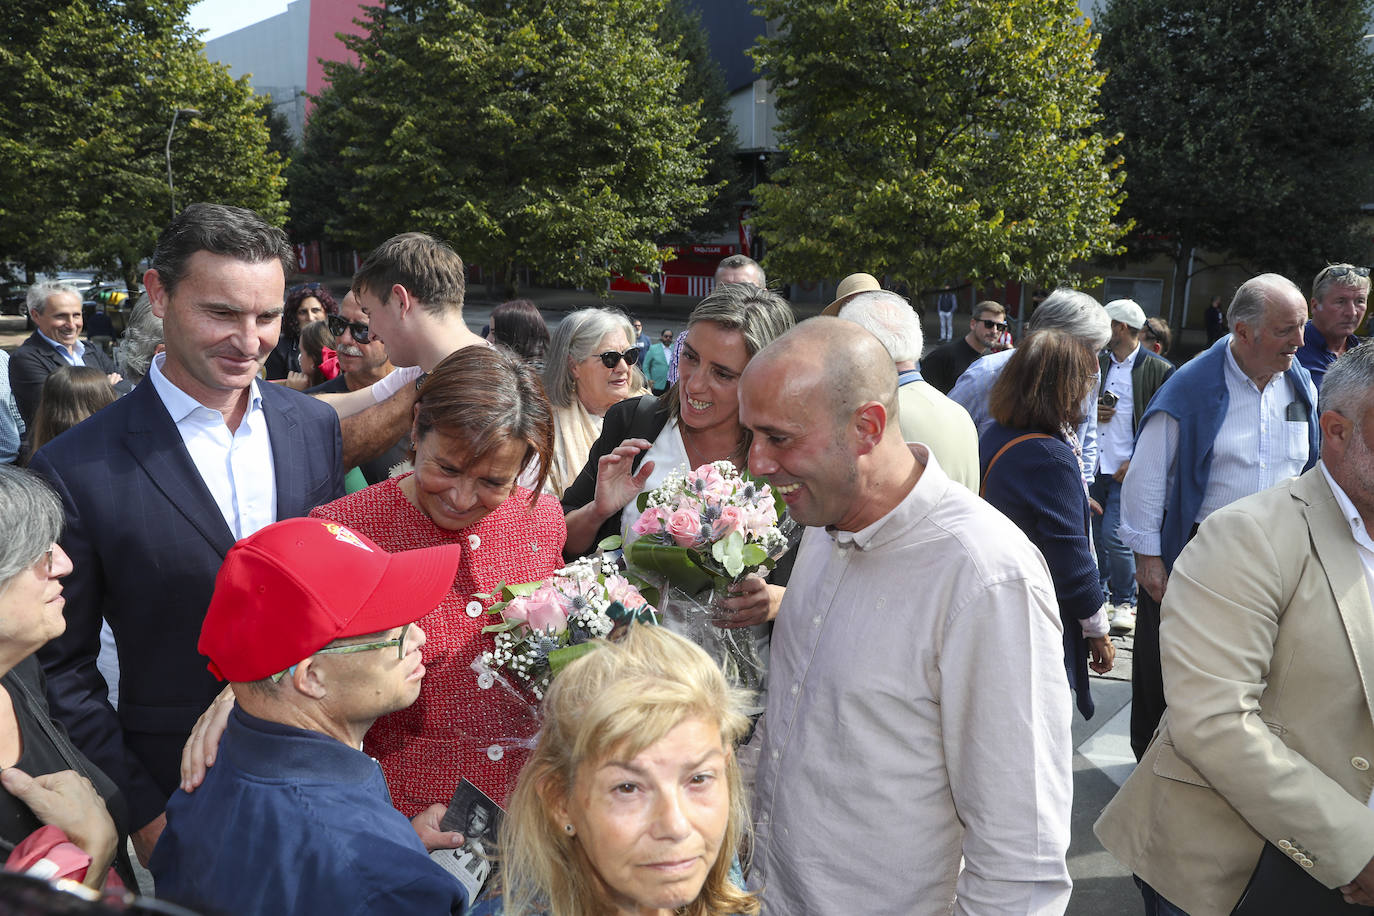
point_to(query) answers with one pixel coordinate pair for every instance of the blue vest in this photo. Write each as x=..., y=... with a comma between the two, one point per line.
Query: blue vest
x=1196, y=396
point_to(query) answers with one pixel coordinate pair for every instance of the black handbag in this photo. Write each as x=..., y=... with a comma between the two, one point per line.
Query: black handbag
x=1282, y=887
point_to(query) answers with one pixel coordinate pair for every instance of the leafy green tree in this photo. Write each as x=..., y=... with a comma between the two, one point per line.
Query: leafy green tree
x=279, y=139
x=539, y=133
x=1247, y=129
x=704, y=84
x=935, y=140
x=314, y=175
x=87, y=93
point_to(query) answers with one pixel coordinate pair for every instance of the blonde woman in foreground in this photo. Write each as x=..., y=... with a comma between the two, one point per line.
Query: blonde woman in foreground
x=631, y=803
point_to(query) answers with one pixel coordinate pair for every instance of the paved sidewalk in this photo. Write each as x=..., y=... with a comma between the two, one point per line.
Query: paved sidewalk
x=1101, y=762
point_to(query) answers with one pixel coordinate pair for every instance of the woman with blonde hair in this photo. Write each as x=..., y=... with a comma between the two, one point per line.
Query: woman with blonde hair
x=631, y=802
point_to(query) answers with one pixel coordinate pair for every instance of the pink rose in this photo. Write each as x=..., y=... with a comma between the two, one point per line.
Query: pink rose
x=620, y=589
x=539, y=611
x=685, y=527
x=730, y=521
x=650, y=522
x=753, y=521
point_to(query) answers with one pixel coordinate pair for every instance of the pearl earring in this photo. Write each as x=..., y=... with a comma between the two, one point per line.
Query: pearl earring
x=568, y=829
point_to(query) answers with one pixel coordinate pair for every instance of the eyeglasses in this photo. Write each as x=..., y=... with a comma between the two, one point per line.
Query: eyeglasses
x=611, y=358
x=313, y=287
x=399, y=642
x=47, y=560
x=989, y=323
x=338, y=324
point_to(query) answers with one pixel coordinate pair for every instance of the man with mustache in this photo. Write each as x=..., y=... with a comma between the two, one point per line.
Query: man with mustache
x=362, y=362
x=1236, y=419
x=158, y=486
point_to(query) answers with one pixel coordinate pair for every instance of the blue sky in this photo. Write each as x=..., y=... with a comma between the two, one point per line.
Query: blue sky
x=224, y=16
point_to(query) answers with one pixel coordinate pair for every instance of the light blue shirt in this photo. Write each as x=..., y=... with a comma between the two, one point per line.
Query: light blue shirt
x=236, y=466
x=72, y=356
x=973, y=387
x=11, y=426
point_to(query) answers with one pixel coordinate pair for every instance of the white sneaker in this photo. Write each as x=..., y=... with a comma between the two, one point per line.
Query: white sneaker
x=1121, y=619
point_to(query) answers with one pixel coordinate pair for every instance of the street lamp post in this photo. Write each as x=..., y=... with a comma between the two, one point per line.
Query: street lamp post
x=190, y=113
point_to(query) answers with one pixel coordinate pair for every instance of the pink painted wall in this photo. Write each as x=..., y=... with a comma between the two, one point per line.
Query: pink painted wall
x=328, y=17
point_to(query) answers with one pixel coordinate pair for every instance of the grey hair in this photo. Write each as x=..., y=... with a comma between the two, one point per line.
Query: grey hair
x=743, y=262
x=33, y=515
x=38, y=295
x=574, y=340
x=891, y=319
x=1076, y=314
x=1348, y=384
x=1254, y=296
x=1348, y=278
x=142, y=335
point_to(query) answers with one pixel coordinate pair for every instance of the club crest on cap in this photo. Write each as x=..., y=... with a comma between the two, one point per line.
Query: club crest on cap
x=343, y=534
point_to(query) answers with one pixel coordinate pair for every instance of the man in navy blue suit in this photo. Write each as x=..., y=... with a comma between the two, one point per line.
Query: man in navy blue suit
x=157, y=488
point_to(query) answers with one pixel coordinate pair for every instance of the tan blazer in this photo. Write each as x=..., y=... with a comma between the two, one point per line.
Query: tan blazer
x=1267, y=644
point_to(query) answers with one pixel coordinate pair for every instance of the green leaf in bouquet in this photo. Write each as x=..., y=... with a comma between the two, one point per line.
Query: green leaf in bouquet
x=729, y=553
x=642, y=501
x=673, y=562
x=563, y=656
x=610, y=543
x=520, y=589
x=503, y=626
x=754, y=555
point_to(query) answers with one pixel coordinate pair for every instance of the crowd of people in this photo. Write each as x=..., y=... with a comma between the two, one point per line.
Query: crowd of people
x=320, y=502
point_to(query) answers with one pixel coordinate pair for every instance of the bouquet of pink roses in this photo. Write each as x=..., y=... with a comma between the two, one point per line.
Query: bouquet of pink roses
x=699, y=533
x=707, y=527
x=545, y=625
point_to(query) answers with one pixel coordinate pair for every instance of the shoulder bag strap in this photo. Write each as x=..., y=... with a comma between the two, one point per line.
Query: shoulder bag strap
x=982, y=491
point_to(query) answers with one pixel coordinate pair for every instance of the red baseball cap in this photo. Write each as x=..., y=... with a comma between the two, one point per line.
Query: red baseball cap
x=295, y=586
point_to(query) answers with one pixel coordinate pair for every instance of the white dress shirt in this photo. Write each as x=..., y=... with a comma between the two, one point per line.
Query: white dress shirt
x=236, y=466
x=1256, y=447
x=72, y=356
x=1117, y=438
x=894, y=744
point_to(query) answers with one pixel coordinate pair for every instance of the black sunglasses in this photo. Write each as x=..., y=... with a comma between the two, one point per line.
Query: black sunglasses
x=989, y=323
x=338, y=324
x=610, y=358
x=1335, y=273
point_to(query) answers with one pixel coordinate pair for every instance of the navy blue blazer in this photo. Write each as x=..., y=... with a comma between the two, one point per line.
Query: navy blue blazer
x=146, y=540
x=35, y=359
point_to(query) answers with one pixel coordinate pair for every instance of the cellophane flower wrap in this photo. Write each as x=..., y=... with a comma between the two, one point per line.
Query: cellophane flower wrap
x=700, y=532
x=545, y=625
